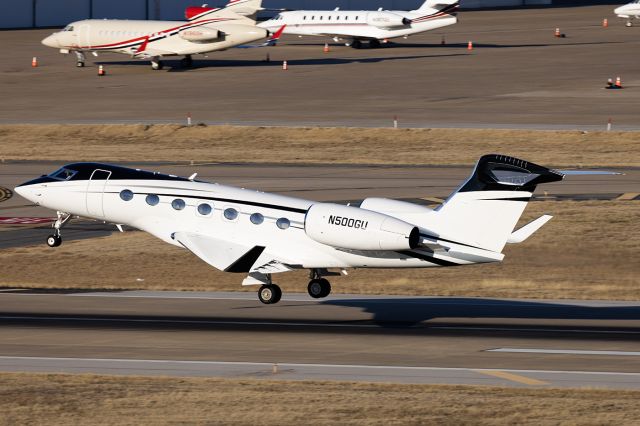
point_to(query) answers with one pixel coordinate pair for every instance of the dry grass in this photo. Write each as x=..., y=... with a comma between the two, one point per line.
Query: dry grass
x=57, y=399
x=588, y=251
x=313, y=145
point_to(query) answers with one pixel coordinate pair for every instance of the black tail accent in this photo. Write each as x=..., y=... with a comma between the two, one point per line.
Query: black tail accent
x=496, y=172
x=428, y=258
x=244, y=263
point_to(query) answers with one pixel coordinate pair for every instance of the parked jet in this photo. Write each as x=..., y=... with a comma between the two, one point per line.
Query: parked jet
x=156, y=39
x=372, y=26
x=260, y=234
x=248, y=8
x=628, y=11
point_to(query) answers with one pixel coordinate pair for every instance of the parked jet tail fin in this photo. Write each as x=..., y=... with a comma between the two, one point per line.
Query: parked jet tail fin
x=439, y=5
x=248, y=8
x=488, y=205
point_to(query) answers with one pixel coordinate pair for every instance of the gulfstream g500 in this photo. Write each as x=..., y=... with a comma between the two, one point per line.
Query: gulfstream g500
x=260, y=234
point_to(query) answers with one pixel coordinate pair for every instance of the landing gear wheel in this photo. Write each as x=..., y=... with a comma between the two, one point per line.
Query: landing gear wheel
x=156, y=65
x=629, y=24
x=80, y=64
x=54, y=240
x=186, y=62
x=269, y=294
x=357, y=44
x=374, y=44
x=319, y=288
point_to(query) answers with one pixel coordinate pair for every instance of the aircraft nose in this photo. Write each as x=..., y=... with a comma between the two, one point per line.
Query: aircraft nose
x=51, y=41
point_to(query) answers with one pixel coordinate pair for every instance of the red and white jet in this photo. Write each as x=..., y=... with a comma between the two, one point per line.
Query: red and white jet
x=217, y=29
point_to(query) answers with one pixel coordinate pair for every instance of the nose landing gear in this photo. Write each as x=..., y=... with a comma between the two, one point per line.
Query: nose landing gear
x=55, y=239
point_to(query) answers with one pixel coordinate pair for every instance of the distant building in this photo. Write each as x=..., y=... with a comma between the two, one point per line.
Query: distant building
x=54, y=13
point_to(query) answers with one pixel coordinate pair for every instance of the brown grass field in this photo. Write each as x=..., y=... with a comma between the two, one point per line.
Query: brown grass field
x=313, y=145
x=588, y=251
x=65, y=399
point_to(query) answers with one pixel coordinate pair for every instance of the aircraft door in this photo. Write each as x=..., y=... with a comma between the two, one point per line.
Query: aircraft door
x=95, y=192
x=84, y=37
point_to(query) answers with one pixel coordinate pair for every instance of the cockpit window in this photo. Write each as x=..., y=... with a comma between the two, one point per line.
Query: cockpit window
x=68, y=28
x=63, y=174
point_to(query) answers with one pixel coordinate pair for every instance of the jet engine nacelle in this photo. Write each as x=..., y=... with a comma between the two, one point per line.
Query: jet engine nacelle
x=386, y=20
x=200, y=34
x=358, y=229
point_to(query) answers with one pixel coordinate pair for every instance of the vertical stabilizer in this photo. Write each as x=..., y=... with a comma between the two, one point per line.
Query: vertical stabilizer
x=485, y=209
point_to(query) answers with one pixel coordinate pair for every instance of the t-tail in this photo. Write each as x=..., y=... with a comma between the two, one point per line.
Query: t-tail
x=445, y=6
x=247, y=8
x=484, y=210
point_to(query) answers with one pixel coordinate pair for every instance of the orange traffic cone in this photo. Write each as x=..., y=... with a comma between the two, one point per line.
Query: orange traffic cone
x=605, y=22
x=557, y=33
x=285, y=66
x=326, y=48
x=34, y=62
x=101, y=71
x=470, y=46
x=618, y=83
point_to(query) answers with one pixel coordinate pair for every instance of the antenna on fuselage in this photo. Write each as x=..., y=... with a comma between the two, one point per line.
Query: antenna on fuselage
x=193, y=176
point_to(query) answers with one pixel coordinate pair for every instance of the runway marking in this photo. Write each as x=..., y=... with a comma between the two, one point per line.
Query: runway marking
x=512, y=377
x=627, y=196
x=540, y=330
x=310, y=365
x=564, y=351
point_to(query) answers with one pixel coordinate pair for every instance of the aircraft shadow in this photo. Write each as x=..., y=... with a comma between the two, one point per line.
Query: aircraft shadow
x=407, y=316
x=174, y=66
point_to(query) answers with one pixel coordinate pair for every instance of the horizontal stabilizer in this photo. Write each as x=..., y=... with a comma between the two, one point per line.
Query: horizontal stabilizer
x=528, y=230
x=587, y=172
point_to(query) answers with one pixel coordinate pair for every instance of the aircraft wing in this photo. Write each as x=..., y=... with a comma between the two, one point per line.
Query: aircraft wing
x=230, y=256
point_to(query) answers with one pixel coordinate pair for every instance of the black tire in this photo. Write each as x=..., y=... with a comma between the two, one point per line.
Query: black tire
x=186, y=62
x=157, y=66
x=319, y=288
x=374, y=44
x=357, y=44
x=269, y=294
x=80, y=64
x=54, y=240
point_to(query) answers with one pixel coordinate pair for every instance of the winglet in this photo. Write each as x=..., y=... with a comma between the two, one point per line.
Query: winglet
x=528, y=230
x=275, y=37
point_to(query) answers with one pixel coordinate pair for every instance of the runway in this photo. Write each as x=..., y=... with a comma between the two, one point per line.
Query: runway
x=344, y=337
x=518, y=76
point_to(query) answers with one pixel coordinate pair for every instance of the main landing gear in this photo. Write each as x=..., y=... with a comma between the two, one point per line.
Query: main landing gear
x=55, y=239
x=156, y=63
x=271, y=293
x=186, y=62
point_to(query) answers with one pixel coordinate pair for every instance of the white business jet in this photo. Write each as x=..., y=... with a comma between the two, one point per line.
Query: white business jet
x=260, y=234
x=628, y=11
x=371, y=26
x=219, y=30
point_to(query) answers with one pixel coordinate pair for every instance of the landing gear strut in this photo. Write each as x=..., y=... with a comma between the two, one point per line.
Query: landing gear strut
x=318, y=287
x=156, y=63
x=55, y=239
x=80, y=58
x=186, y=62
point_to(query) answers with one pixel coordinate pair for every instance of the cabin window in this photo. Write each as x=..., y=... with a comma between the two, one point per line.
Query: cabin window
x=256, y=218
x=346, y=18
x=304, y=18
x=320, y=18
x=313, y=17
x=126, y=195
x=283, y=223
x=205, y=209
x=337, y=18
x=230, y=214
x=329, y=18
x=178, y=204
x=356, y=18
x=152, y=199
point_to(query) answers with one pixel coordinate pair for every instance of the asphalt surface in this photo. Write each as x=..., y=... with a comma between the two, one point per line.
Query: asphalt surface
x=518, y=75
x=344, y=183
x=527, y=343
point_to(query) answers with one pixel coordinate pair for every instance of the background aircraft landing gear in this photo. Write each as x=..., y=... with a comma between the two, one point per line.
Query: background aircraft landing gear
x=374, y=44
x=80, y=59
x=156, y=64
x=319, y=288
x=629, y=24
x=269, y=294
x=356, y=44
x=186, y=62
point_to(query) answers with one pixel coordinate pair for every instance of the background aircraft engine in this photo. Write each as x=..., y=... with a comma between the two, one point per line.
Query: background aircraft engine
x=358, y=229
x=386, y=20
x=200, y=35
